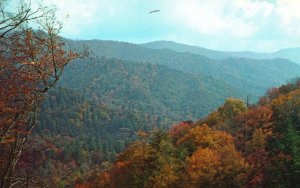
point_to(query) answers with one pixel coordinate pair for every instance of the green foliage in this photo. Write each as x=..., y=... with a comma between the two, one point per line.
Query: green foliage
x=85, y=133
x=250, y=76
x=287, y=141
x=231, y=108
x=152, y=89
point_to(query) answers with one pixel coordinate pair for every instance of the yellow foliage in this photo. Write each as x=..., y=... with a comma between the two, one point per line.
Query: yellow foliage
x=215, y=161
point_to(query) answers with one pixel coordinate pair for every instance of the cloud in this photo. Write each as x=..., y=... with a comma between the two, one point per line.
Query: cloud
x=226, y=18
x=289, y=16
x=214, y=18
x=237, y=24
x=79, y=16
x=219, y=24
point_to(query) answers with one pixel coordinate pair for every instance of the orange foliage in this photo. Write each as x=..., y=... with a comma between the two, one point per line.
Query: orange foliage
x=215, y=155
x=202, y=166
x=82, y=186
x=203, y=136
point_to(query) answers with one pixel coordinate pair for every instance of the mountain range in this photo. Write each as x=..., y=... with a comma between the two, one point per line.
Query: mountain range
x=292, y=54
x=249, y=75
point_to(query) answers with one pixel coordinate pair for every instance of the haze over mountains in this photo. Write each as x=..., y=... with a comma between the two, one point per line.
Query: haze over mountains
x=253, y=75
x=292, y=54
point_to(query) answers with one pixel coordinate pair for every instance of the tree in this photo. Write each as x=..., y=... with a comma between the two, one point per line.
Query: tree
x=222, y=118
x=152, y=161
x=284, y=145
x=31, y=63
x=202, y=168
x=179, y=130
x=215, y=161
x=231, y=108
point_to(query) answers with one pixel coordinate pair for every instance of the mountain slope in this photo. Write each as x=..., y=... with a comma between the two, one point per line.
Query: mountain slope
x=80, y=135
x=186, y=48
x=153, y=89
x=231, y=70
x=292, y=54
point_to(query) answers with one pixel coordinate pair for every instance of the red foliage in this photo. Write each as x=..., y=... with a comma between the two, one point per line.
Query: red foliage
x=179, y=130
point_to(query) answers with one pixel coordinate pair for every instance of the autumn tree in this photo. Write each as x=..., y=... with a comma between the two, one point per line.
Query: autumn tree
x=179, y=130
x=262, y=152
x=255, y=120
x=32, y=61
x=222, y=117
x=231, y=108
x=152, y=161
x=215, y=162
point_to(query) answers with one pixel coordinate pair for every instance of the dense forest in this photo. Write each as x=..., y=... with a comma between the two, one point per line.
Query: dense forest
x=234, y=146
x=149, y=88
x=80, y=143
x=106, y=124
x=99, y=113
x=77, y=136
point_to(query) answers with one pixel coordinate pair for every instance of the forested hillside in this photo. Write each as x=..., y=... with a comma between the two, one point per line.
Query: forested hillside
x=76, y=136
x=234, y=146
x=102, y=103
x=153, y=89
x=107, y=102
x=82, y=113
x=235, y=71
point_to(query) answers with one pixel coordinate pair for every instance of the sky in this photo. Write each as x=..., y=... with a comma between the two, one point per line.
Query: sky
x=231, y=25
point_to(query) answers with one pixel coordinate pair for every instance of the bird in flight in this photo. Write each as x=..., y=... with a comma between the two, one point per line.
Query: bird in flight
x=154, y=11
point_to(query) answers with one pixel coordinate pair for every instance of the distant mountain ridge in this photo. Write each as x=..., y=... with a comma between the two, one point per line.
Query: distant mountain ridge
x=253, y=75
x=292, y=54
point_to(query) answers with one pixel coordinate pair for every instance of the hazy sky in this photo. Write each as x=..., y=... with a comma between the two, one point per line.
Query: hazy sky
x=257, y=25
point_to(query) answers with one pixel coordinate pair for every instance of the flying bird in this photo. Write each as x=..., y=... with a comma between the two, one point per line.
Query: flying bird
x=154, y=11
